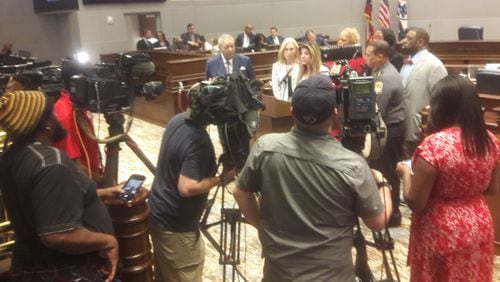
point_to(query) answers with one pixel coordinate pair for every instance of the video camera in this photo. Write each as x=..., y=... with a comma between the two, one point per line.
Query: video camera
x=356, y=98
x=339, y=53
x=110, y=88
x=30, y=72
x=232, y=103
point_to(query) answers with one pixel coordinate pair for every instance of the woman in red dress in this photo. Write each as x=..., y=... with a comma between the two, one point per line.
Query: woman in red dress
x=451, y=235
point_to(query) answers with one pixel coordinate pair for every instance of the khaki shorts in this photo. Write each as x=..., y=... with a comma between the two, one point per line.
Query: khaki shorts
x=178, y=256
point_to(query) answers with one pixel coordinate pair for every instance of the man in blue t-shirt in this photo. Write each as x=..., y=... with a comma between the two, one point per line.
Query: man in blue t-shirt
x=185, y=173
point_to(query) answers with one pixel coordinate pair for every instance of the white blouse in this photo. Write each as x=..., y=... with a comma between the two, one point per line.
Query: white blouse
x=280, y=81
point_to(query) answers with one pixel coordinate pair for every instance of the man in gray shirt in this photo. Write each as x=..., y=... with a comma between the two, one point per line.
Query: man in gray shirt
x=312, y=189
x=390, y=100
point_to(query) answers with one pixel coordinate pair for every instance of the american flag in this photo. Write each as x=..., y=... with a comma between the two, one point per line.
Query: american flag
x=403, y=17
x=384, y=16
x=368, y=15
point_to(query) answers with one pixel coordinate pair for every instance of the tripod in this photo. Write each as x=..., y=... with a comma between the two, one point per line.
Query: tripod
x=229, y=240
x=383, y=242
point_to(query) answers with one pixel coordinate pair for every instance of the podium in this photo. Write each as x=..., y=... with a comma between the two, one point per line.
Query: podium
x=132, y=232
x=276, y=117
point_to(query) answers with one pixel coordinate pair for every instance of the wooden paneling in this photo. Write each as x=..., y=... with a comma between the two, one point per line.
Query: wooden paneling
x=466, y=52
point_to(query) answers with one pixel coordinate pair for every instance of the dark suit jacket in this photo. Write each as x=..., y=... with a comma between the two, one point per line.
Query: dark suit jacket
x=185, y=37
x=143, y=44
x=239, y=40
x=215, y=66
x=270, y=40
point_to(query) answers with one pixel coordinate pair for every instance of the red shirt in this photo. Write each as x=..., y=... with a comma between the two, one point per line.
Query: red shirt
x=72, y=145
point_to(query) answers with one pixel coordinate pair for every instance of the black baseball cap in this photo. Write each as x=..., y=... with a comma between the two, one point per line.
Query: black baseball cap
x=313, y=100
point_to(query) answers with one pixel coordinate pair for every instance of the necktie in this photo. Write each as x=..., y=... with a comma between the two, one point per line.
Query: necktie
x=228, y=67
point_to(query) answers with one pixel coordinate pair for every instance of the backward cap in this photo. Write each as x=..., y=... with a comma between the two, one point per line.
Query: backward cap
x=313, y=100
x=20, y=112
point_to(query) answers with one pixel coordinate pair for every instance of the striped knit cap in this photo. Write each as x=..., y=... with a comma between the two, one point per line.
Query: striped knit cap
x=20, y=112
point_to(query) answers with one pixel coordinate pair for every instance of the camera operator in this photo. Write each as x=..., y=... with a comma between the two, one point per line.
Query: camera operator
x=313, y=190
x=79, y=146
x=62, y=230
x=185, y=173
x=390, y=100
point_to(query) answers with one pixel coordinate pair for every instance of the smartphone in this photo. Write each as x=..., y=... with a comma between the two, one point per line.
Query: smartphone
x=131, y=187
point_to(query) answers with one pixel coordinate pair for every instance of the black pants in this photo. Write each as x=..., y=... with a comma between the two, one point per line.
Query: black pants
x=392, y=154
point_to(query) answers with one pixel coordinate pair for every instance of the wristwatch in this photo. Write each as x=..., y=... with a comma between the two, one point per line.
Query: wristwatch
x=384, y=183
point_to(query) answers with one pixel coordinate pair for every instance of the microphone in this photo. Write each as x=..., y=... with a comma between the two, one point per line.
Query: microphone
x=243, y=72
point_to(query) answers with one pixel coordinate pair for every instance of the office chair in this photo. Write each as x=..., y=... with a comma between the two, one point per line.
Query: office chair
x=470, y=33
x=488, y=81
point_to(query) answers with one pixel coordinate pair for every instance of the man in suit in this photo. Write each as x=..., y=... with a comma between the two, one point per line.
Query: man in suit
x=419, y=76
x=311, y=37
x=192, y=39
x=274, y=38
x=145, y=43
x=245, y=39
x=228, y=61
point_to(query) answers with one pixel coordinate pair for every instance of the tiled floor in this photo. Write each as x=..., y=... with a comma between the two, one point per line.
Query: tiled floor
x=148, y=137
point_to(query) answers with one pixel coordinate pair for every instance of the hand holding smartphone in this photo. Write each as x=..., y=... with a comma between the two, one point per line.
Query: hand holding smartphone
x=131, y=187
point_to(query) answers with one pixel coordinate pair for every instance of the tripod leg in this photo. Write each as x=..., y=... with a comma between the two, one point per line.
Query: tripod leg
x=135, y=148
x=395, y=266
x=115, y=128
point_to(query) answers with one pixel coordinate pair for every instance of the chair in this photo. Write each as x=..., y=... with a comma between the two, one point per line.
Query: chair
x=470, y=33
x=488, y=81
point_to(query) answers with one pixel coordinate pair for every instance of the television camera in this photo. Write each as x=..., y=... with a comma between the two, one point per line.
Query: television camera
x=111, y=88
x=30, y=72
x=362, y=124
x=232, y=103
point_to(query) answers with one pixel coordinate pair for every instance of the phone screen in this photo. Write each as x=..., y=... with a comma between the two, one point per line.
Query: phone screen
x=130, y=188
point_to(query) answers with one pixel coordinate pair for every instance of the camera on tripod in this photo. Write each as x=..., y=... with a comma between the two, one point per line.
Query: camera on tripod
x=232, y=103
x=30, y=72
x=111, y=88
x=357, y=100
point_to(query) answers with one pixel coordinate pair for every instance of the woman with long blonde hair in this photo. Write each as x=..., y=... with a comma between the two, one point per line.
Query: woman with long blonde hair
x=286, y=70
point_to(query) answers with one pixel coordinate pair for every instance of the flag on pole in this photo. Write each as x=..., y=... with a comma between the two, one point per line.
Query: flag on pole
x=384, y=16
x=403, y=18
x=368, y=15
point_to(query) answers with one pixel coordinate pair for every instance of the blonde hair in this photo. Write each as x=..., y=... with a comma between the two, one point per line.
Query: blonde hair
x=315, y=54
x=351, y=34
x=281, y=52
x=224, y=39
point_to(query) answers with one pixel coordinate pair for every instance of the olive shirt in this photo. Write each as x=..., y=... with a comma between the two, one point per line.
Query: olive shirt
x=312, y=191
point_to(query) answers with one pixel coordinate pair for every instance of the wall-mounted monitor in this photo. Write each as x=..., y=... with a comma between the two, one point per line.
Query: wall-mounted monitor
x=54, y=6
x=118, y=1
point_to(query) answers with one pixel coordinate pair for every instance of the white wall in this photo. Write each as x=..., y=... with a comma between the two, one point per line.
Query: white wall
x=57, y=36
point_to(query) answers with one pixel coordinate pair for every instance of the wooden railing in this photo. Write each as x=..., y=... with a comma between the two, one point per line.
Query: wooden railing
x=466, y=52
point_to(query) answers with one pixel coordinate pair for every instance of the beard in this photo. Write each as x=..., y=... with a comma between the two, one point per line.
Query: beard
x=58, y=132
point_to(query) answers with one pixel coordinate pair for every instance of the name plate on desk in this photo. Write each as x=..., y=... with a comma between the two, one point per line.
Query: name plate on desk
x=275, y=108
